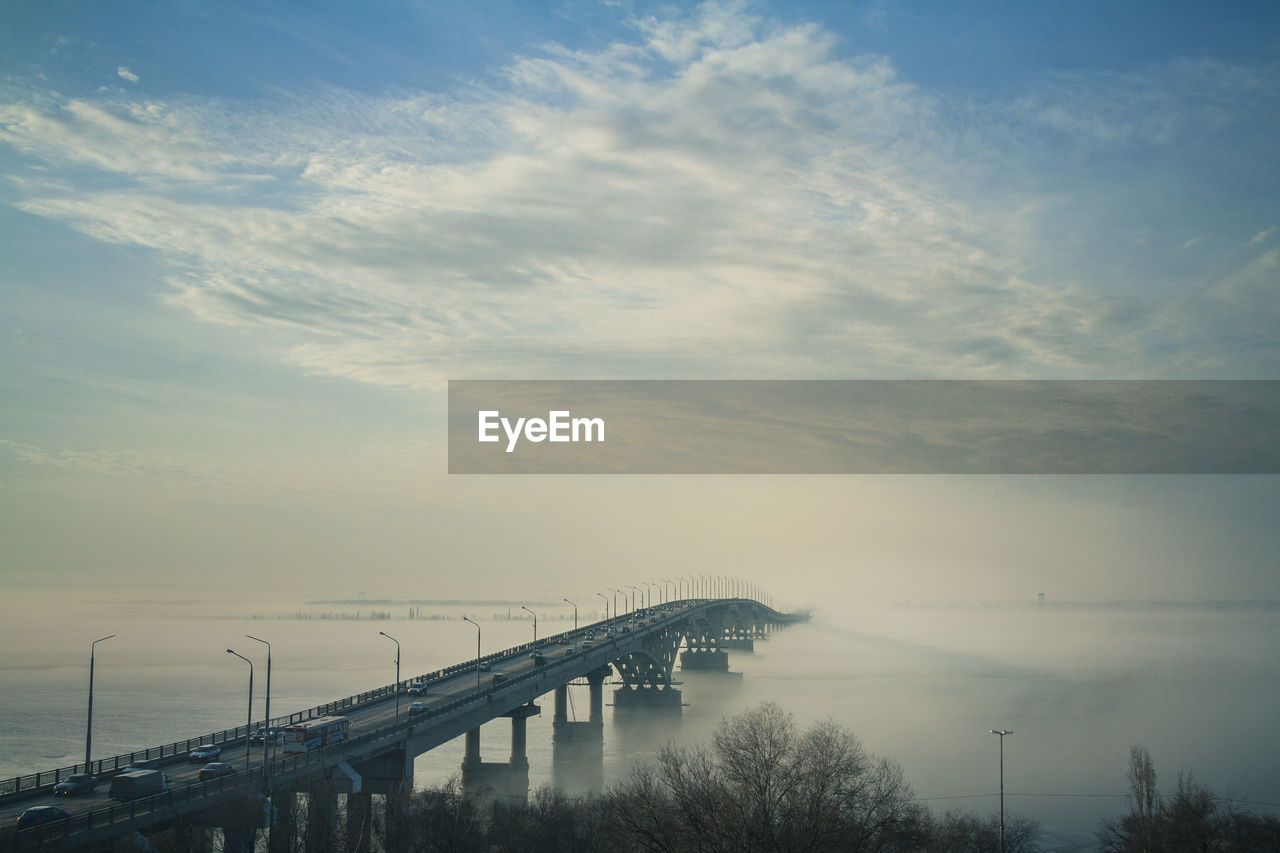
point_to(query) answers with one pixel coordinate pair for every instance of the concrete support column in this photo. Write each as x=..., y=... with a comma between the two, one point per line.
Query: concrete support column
x=562, y=704
x=518, y=738
x=359, y=824
x=322, y=822
x=284, y=830
x=472, y=753
x=235, y=839
x=595, y=686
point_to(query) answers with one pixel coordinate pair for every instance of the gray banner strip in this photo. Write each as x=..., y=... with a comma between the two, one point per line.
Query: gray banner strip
x=864, y=427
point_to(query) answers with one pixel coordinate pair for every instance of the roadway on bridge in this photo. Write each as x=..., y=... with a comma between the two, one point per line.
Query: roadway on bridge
x=380, y=713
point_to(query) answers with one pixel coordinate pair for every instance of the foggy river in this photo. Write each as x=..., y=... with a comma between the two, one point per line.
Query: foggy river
x=1078, y=684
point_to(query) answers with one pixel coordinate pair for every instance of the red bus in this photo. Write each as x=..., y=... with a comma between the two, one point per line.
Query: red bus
x=314, y=734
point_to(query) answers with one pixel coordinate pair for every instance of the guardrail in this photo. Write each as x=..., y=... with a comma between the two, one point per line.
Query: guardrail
x=34, y=784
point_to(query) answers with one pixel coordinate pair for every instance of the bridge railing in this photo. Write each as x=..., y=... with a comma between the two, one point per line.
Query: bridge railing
x=35, y=783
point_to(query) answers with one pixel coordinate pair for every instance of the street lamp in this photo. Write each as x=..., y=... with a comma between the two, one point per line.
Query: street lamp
x=636, y=590
x=575, y=612
x=477, y=624
x=397, y=642
x=267, y=738
x=88, y=729
x=1002, y=733
x=606, y=605
x=535, y=621
x=615, y=599
x=249, y=722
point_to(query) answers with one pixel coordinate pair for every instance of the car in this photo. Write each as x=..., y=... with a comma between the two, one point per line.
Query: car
x=568, y=651
x=205, y=752
x=586, y=644
x=262, y=734
x=499, y=677
x=484, y=667
x=142, y=764
x=418, y=708
x=80, y=783
x=538, y=658
x=561, y=641
x=215, y=770
x=417, y=689
x=40, y=815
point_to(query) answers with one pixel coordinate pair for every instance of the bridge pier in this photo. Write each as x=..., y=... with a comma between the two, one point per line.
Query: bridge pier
x=647, y=698
x=322, y=821
x=501, y=779
x=704, y=660
x=358, y=831
x=577, y=747
x=284, y=828
x=238, y=839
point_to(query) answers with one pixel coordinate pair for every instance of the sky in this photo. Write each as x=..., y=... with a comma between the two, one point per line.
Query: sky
x=247, y=245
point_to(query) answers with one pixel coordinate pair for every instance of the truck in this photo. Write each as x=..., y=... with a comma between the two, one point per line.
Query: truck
x=138, y=783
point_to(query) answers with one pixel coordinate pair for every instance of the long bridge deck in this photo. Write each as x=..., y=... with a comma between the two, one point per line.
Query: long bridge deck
x=377, y=756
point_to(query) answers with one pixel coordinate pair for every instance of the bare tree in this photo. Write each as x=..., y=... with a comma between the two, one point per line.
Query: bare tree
x=765, y=786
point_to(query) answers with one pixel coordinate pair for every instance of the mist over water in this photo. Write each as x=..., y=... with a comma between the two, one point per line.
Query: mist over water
x=1078, y=684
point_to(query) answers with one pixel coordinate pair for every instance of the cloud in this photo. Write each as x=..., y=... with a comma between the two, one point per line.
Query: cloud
x=126, y=74
x=1189, y=243
x=1262, y=236
x=721, y=195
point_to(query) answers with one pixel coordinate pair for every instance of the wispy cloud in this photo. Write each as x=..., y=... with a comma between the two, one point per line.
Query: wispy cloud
x=719, y=191
x=125, y=74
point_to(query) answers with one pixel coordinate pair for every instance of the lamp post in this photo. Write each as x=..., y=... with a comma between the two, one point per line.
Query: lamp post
x=88, y=729
x=636, y=591
x=397, y=642
x=267, y=738
x=575, y=612
x=1002, y=733
x=535, y=621
x=606, y=605
x=477, y=624
x=615, y=600
x=249, y=722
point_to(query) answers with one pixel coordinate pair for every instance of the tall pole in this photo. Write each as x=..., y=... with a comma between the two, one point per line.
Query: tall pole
x=477, y=624
x=606, y=605
x=248, y=722
x=636, y=590
x=88, y=729
x=1002, y=733
x=267, y=738
x=575, y=612
x=615, y=600
x=397, y=642
x=535, y=621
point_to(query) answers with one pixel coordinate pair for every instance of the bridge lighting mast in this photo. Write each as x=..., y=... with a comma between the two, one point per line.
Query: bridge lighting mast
x=88, y=729
x=535, y=621
x=606, y=604
x=397, y=642
x=615, y=600
x=249, y=722
x=575, y=612
x=636, y=590
x=1002, y=733
x=477, y=624
x=267, y=738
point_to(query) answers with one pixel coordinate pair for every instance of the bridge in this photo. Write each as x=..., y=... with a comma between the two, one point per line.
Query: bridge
x=297, y=795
